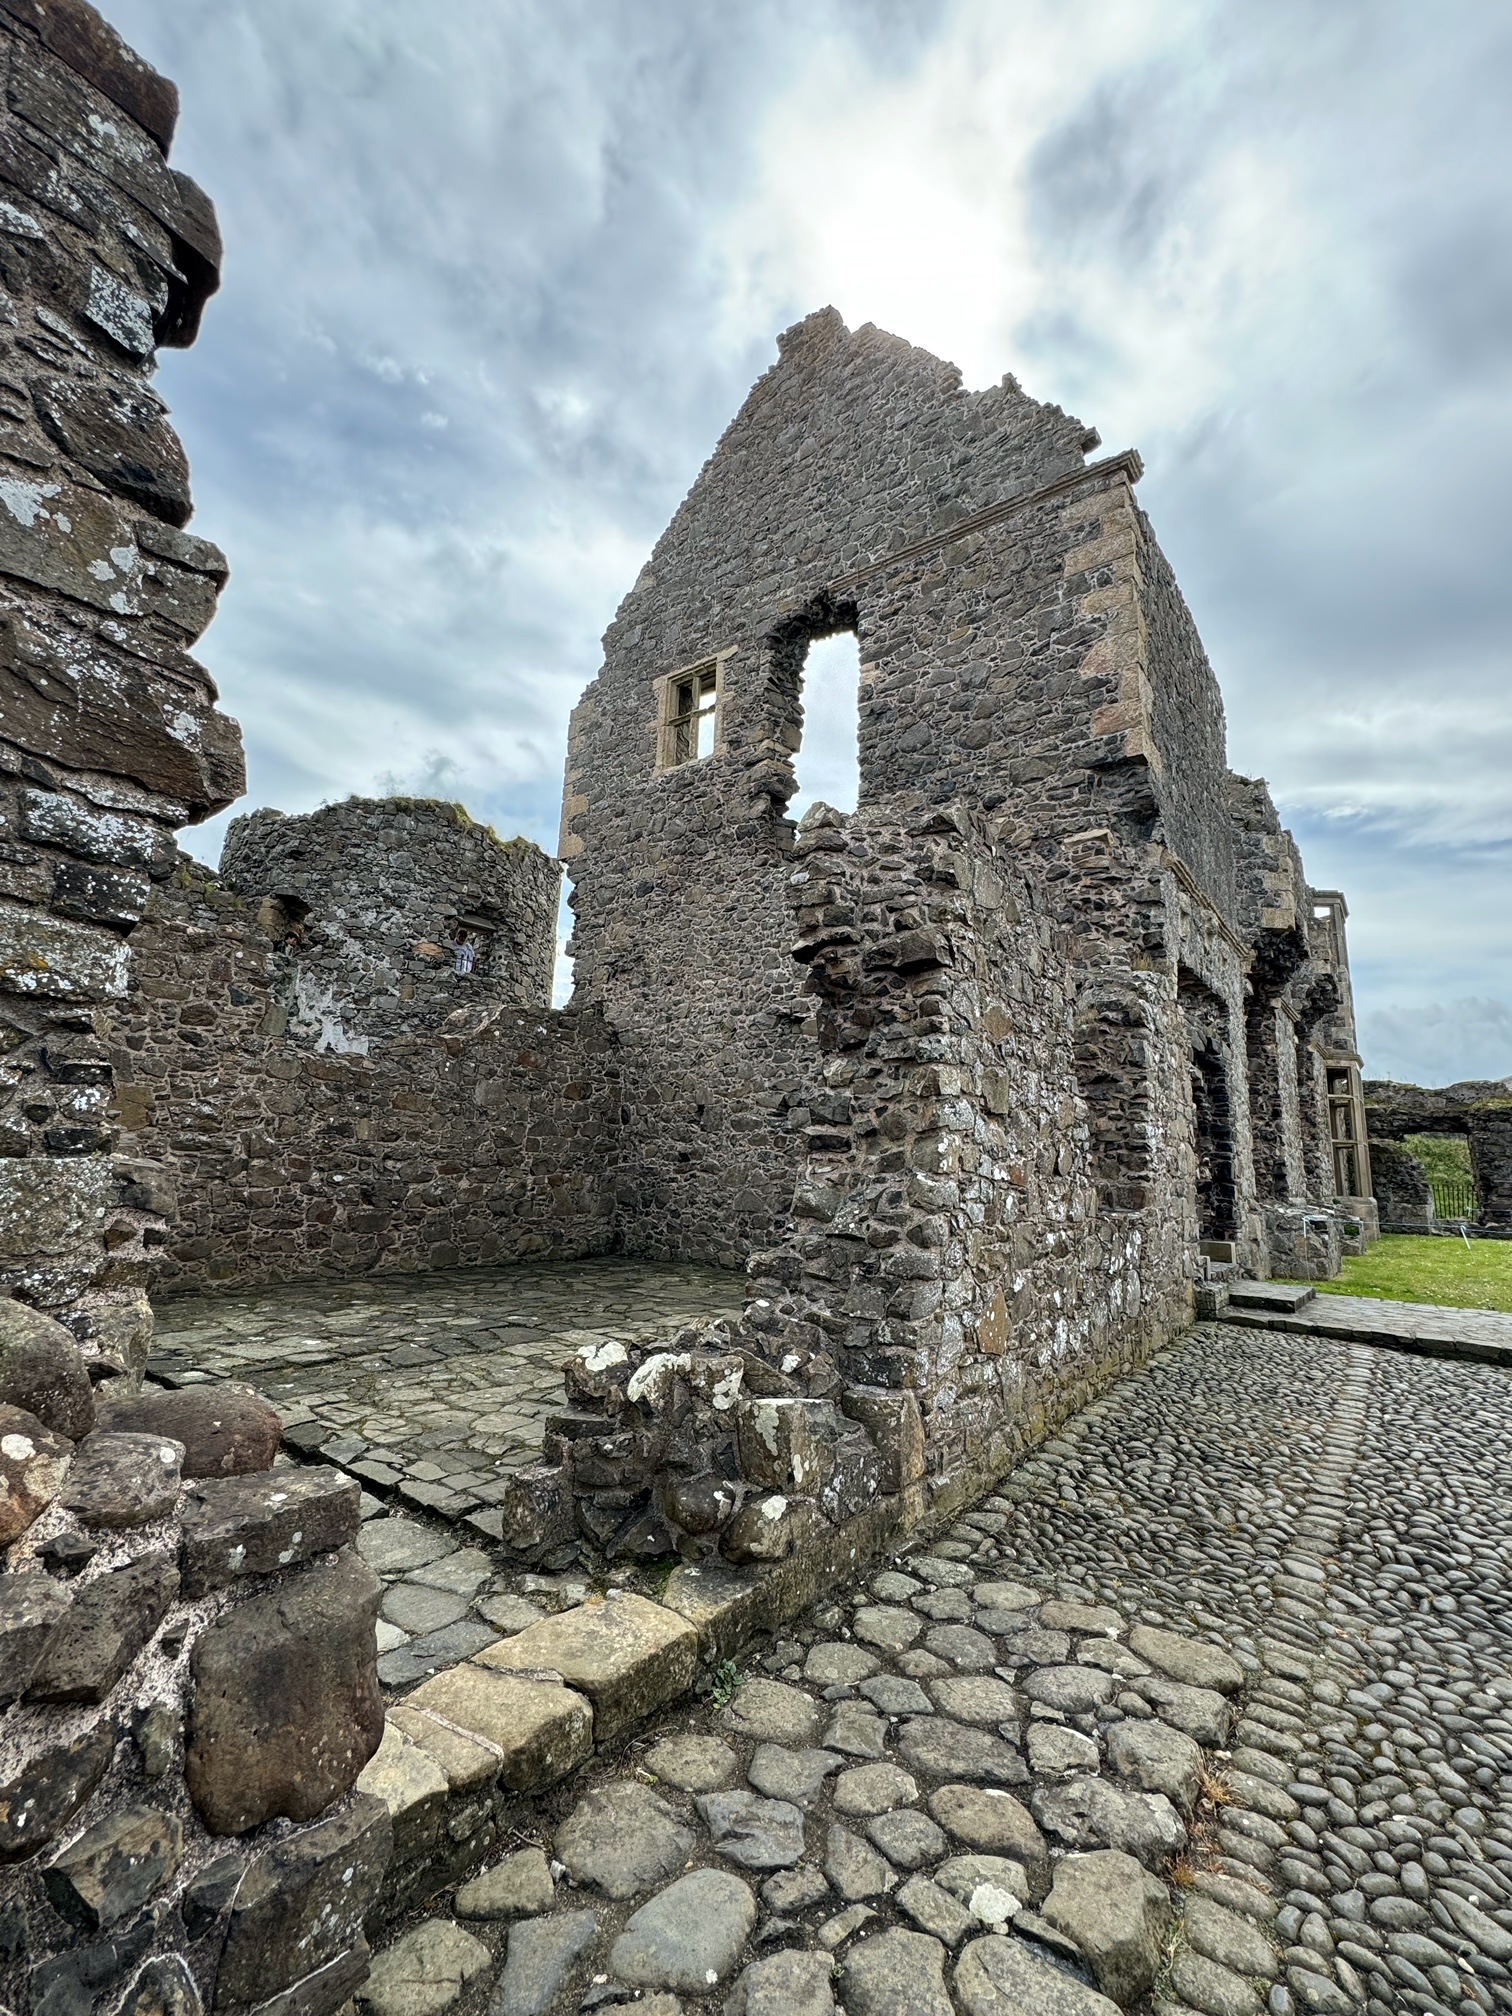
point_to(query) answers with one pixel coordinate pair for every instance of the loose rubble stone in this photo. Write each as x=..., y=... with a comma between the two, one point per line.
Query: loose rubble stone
x=794, y=1889
x=965, y=1876
x=31, y=1607
x=542, y=1954
x=907, y=1838
x=38, y=1799
x=1217, y=1991
x=873, y=1788
x=1070, y=1690
x=992, y=1822
x=786, y=1984
x=1007, y=1977
x=757, y=1833
x=1228, y=1937
x=300, y=1905
x=896, y=1974
x=285, y=1708
x=257, y=1525
x=856, y=1731
x=855, y=1870
x=835, y=1665
x=1092, y=1813
x=622, y=1839
x=895, y=1696
x=119, y=1479
x=1158, y=1759
x=694, y=1763
x=165, y=1987
x=33, y=1464
x=392, y=1546
x=772, y=1712
x=518, y=1887
x=626, y=1654
x=834, y=1932
x=1117, y=1914
x=887, y=1627
x=43, y=1371
x=1054, y=1750
x=1188, y=1659
x=1199, y=1712
x=424, y=1972
x=983, y=1700
x=688, y=1937
x=225, y=1430
x=936, y=1748
x=795, y=1775
x=935, y=1911
x=111, y=1619
x=114, y=1867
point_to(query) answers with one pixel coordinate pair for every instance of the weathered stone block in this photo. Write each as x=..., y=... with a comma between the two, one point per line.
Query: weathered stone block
x=893, y=1421
x=299, y=1908
x=40, y=1798
x=536, y=1730
x=31, y=1608
x=257, y=1525
x=42, y=1370
x=628, y=1655
x=120, y=1480
x=225, y=1430
x=112, y=1618
x=33, y=1465
x=285, y=1708
x=114, y=1867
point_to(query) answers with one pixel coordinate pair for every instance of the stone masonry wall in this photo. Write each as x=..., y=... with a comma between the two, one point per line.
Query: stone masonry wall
x=395, y=911
x=188, y=1694
x=1480, y=1109
x=109, y=737
x=489, y=1138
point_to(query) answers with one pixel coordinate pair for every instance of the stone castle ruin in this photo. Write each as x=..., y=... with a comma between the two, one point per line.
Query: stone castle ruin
x=980, y=1084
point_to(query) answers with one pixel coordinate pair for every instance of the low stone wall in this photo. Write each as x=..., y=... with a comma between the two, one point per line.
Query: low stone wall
x=490, y=1139
x=188, y=1693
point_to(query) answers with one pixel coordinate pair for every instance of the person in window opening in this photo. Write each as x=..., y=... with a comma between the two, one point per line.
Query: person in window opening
x=466, y=951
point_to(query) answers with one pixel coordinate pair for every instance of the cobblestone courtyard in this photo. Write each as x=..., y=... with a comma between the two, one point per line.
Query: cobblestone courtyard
x=1336, y=1516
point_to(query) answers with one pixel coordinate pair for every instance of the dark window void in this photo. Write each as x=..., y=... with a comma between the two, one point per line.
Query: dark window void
x=827, y=760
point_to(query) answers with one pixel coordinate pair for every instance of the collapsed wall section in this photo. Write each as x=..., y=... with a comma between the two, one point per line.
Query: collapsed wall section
x=109, y=734
x=394, y=911
x=488, y=1137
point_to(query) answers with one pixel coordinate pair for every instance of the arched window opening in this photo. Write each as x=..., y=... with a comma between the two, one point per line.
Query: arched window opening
x=827, y=761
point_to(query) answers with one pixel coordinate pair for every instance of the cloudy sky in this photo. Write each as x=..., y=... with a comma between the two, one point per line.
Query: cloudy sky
x=499, y=271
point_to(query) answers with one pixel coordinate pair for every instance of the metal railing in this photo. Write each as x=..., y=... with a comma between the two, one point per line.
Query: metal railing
x=1454, y=1197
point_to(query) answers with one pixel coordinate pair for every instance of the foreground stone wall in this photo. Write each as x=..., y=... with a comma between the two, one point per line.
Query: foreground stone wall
x=109, y=735
x=490, y=1137
x=188, y=1693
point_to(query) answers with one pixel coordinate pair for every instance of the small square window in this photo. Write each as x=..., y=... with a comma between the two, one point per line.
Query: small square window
x=690, y=715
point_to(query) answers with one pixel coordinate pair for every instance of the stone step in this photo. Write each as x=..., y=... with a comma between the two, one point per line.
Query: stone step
x=1280, y=1295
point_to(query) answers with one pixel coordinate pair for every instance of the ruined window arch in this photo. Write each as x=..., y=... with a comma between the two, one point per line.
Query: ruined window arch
x=1112, y=1042
x=814, y=680
x=1207, y=1029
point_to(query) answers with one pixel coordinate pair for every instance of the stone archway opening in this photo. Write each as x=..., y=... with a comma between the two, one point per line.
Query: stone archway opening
x=827, y=761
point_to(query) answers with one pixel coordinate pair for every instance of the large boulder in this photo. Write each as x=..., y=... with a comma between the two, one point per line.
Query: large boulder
x=33, y=1463
x=227, y=1431
x=43, y=1370
x=286, y=1708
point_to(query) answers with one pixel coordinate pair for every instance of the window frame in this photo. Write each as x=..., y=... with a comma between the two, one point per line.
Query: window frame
x=673, y=723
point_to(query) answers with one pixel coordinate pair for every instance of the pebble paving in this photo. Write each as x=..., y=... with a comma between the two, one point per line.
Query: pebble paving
x=883, y=1815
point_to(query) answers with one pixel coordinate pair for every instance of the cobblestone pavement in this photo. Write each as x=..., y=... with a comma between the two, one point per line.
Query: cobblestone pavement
x=878, y=1813
x=431, y=1386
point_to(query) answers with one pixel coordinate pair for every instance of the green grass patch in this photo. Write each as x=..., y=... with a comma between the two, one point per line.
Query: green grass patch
x=1401, y=1268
